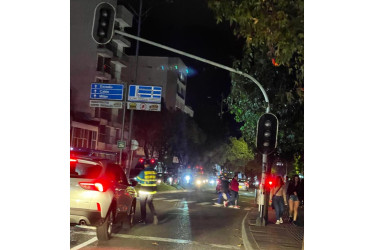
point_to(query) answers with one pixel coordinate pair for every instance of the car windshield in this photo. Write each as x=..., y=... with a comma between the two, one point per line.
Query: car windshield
x=83, y=170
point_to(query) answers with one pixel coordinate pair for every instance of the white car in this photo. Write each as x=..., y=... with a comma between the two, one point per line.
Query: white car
x=100, y=195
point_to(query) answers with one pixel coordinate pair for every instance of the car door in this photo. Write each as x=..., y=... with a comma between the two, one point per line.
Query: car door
x=119, y=189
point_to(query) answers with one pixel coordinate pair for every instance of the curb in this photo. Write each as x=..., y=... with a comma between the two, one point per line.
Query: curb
x=247, y=244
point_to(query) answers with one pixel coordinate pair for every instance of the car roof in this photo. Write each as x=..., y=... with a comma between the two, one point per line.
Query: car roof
x=91, y=158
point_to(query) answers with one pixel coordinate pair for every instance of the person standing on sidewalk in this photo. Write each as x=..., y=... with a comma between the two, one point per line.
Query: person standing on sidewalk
x=234, y=193
x=278, y=194
x=147, y=180
x=295, y=191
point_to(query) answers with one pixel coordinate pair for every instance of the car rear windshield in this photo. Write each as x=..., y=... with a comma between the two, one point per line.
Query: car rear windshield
x=83, y=170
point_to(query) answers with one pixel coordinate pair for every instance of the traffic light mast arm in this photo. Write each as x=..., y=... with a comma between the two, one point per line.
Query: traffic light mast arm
x=202, y=60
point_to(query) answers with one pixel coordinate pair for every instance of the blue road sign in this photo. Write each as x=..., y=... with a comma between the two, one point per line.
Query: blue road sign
x=105, y=91
x=139, y=93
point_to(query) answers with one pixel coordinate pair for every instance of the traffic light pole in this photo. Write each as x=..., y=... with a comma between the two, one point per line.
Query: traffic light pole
x=261, y=220
x=201, y=60
x=123, y=123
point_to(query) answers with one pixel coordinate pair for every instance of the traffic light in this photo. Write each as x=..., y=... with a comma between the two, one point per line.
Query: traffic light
x=269, y=183
x=267, y=132
x=103, y=25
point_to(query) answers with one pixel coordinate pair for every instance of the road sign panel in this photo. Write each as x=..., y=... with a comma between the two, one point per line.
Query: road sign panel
x=144, y=106
x=121, y=144
x=103, y=91
x=140, y=93
x=105, y=104
x=134, y=144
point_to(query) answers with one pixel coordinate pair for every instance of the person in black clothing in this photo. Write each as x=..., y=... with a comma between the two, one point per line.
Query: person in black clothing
x=225, y=190
x=295, y=192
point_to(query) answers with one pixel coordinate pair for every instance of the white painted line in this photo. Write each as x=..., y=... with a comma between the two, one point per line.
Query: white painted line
x=214, y=199
x=173, y=200
x=157, y=199
x=190, y=201
x=204, y=203
x=84, y=244
x=86, y=227
x=178, y=241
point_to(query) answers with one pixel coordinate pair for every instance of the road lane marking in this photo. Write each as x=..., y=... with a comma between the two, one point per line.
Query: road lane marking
x=85, y=227
x=157, y=199
x=204, y=203
x=174, y=200
x=170, y=240
x=85, y=243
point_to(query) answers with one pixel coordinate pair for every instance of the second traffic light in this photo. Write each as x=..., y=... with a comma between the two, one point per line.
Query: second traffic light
x=103, y=24
x=267, y=132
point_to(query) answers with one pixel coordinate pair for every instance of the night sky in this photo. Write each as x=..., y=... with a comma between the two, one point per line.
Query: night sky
x=191, y=27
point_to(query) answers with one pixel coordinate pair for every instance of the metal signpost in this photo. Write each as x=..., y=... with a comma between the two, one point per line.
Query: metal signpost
x=146, y=98
x=106, y=95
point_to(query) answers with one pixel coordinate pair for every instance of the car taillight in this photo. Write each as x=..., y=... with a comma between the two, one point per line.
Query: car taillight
x=96, y=186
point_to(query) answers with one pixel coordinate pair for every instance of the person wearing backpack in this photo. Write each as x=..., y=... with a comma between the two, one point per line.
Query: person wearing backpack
x=278, y=199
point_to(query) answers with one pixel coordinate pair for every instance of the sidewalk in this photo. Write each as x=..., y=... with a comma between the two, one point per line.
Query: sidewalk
x=272, y=236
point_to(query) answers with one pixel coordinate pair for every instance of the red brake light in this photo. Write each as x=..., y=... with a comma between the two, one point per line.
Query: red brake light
x=152, y=161
x=96, y=186
x=141, y=160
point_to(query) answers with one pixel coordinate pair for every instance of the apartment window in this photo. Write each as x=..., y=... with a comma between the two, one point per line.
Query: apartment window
x=102, y=133
x=100, y=63
x=182, y=78
x=107, y=65
x=113, y=70
x=83, y=138
x=103, y=64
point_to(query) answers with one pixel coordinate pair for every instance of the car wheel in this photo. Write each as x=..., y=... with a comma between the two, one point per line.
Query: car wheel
x=129, y=219
x=104, y=231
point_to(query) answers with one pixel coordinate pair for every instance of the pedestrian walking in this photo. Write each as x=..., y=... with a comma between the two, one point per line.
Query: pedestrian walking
x=234, y=193
x=225, y=184
x=147, y=180
x=278, y=198
x=295, y=191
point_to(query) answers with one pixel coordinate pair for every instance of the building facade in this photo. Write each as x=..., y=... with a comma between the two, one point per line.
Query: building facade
x=95, y=128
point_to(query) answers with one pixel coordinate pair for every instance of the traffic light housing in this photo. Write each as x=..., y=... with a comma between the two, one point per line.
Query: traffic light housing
x=103, y=24
x=267, y=133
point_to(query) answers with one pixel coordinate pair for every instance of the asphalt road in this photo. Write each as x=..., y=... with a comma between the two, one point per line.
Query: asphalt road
x=187, y=220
